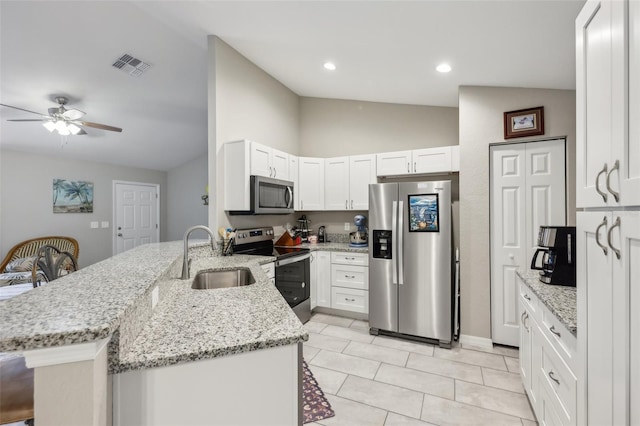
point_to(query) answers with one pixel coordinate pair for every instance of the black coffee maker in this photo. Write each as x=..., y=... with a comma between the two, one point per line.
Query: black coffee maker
x=558, y=264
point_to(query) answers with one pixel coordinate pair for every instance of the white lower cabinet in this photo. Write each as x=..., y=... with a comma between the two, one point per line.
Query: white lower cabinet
x=270, y=270
x=323, y=279
x=313, y=279
x=547, y=362
x=350, y=281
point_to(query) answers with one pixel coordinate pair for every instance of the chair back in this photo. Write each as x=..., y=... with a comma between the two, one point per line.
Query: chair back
x=30, y=248
x=52, y=263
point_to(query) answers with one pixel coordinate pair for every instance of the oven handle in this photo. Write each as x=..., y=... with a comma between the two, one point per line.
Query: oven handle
x=292, y=260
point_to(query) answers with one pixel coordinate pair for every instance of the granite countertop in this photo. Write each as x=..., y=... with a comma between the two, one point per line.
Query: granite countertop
x=113, y=298
x=331, y=246
x=197, y=324
x=560, y=300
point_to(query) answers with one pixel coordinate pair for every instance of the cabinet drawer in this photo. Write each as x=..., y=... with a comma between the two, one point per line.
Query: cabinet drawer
x=561, y=383
x=562, y=340
x=350, y=299
x=361, y=259
x=529, y=300
x=350, y=276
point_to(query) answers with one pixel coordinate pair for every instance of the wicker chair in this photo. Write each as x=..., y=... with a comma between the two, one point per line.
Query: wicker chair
x=30, y=248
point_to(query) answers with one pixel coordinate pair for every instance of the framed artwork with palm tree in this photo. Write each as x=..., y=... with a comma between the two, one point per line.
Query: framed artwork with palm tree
x=72, y=196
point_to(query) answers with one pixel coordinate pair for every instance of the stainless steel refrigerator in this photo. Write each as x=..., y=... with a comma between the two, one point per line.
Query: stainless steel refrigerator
x=410, y=267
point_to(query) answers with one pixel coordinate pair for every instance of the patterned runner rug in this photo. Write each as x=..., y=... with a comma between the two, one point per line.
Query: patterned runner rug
x=316, y=406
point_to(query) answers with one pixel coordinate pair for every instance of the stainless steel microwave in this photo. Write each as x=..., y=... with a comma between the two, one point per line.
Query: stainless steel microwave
x=269, y=196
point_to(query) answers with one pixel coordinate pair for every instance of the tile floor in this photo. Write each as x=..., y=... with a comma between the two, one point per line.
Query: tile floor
x=376, y=380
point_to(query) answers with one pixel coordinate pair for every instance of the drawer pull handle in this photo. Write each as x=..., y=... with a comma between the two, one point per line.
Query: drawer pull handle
x=350, y=276
x=616, y=195
x=602, y=194
x=615, y=250
x=350, y=258
x=553, y=377
x=526, y=296
x=553, y=330
x=349, y=300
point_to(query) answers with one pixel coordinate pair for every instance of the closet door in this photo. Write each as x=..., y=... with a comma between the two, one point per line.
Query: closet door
x=528, y=190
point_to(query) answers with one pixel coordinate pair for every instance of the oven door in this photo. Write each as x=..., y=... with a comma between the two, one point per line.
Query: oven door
x=292, y=278
x=271, y=196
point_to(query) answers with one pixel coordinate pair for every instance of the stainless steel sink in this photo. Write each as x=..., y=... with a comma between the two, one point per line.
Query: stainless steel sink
x=222, y=279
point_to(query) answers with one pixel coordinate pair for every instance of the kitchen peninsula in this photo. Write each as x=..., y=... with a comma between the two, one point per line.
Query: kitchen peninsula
x=195, y=353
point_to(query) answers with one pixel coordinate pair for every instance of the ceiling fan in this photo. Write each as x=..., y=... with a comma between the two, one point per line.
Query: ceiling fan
x=64, y=121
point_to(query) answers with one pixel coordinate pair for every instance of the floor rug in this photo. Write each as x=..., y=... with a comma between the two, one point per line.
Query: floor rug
x=316, y=406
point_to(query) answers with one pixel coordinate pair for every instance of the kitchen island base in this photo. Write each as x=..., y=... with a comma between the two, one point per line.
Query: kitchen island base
x=257, y=387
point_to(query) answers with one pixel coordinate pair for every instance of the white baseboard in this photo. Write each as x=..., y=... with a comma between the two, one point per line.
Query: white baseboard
x=481, y=342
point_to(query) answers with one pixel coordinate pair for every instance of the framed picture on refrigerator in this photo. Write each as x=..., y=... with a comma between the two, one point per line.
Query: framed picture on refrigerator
x=424, y=213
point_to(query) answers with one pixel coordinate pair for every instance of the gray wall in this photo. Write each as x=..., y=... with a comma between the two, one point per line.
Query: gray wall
x=244, y=103
x=333, y=128
x=185, y=186
x=481, y=124
x=27, y=212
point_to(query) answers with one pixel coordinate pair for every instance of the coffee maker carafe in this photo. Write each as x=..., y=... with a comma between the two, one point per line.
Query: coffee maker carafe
x=558, y=264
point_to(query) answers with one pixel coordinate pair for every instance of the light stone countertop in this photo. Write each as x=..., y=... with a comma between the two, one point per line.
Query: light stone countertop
x=560, y=300
x=113, y=298
x=331, y=246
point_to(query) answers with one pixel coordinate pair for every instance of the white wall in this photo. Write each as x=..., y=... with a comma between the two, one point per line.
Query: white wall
x=185, y=187
x=481, y=124
x=245, y=103
x=334, y=127
x=27, y=212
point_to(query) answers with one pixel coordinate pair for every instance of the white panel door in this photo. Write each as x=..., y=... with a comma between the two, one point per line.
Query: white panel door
x=594, y=277
x=528, y=190
x=336, y=183
x=362, y=172
x=261, y=160
x=136, y=215
x=545, y=189
x=508, y=239
x=593, y=102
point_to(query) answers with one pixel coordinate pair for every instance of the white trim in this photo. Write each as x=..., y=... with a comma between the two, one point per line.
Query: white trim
x=114, y=213
x=480, y=342
x=64, y=354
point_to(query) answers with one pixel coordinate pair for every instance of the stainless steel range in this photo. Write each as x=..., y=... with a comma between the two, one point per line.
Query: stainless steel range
x=292, y=266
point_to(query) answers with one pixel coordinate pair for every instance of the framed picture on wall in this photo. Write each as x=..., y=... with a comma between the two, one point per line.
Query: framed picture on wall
x=71, y=196
x=524, y=122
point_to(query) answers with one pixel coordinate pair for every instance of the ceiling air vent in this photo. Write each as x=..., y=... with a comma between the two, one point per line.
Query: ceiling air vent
x=130, y=65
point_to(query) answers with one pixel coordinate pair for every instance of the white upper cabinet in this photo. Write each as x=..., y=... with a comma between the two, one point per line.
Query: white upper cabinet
x=362, y=172
x=347, y=182
x=432, y=160
x=311, y=183
x=608, y=104
x=269, y=162
x=393, y=163
x=443, y=159
x=336, y=183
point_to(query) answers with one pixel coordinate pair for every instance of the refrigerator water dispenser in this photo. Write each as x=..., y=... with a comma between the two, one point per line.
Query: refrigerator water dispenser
x=382, y=244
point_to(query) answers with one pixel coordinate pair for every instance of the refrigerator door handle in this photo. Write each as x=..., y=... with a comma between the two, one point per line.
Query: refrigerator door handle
x=394, y=230
x=399, y=249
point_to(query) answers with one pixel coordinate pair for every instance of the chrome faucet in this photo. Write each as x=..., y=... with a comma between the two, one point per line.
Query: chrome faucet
x=185, y=259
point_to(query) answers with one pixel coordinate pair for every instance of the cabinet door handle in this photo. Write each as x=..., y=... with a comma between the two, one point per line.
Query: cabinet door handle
x=616, y=195
x=301, y=205
x=522, y=317
x=602, y=246
x=526, y=317
x=553, y=330
x=609, y=238
x=414, y=167
x=275, y=172
x=526, y=296
x=408, y=167
x=351, y=204
x=602, y=194
x=346, y=204
x=553, y=377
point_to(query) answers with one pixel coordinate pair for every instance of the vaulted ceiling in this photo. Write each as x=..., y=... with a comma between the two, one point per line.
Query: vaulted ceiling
x=385, y=51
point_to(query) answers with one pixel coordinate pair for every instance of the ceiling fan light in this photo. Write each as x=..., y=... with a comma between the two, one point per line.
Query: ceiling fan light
x=49, y=125
x=61, y=126
x=73, y=128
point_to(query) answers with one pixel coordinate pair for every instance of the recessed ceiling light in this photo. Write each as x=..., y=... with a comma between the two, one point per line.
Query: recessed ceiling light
x=330, y=66
x=443, y=67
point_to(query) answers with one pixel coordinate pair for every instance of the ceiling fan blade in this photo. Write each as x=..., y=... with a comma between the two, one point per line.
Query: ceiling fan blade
x=81, y=132
x=99, y=126
x=30, y=119
x=73, y=114
x=25, y=110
